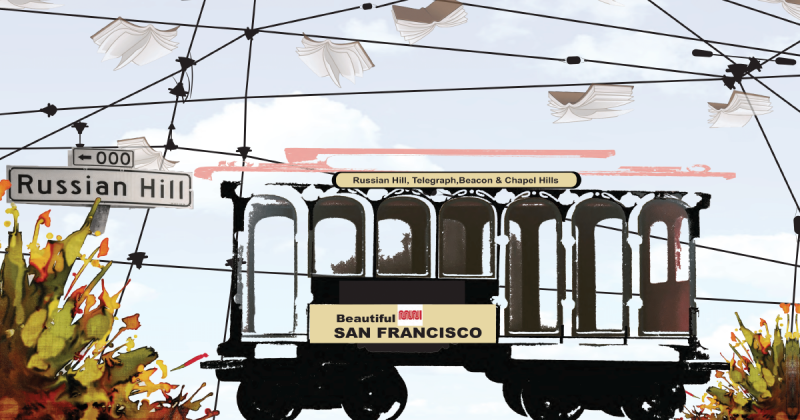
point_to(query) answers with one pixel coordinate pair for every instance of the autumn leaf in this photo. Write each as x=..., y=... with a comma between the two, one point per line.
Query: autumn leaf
x=785, y=307
x=103, y=248
x=4, y=186
x=131, y=323
x=45, y=218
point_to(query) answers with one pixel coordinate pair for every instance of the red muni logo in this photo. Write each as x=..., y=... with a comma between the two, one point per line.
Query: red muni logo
x=409, y=315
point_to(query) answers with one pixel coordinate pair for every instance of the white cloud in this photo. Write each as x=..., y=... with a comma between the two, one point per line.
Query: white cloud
x=505, y=27
x=719, y=269
x=377, y=30
x=272, y=127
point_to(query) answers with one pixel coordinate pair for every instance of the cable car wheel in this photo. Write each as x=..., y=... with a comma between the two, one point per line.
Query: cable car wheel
x=374, y=393
x=267, y=400
x=656, y=405
x=549, y=407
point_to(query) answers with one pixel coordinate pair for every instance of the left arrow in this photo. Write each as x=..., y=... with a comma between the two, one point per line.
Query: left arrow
x=84, y=157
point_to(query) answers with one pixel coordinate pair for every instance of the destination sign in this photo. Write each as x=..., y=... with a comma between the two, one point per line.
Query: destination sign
x=481, y=180
x=402, y=324
x=107, y=158
x=115, y=187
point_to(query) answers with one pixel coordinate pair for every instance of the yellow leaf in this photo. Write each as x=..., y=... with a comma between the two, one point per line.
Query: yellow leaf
x=768, y=377
x=33, y=328
x=90, y=373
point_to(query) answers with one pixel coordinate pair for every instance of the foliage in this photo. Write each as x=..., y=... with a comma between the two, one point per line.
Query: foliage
x=762, y=381
x=56, y=358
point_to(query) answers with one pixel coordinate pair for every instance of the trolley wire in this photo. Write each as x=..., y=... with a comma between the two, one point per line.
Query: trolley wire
x=367, y=41
x=454, y=49
x=494, y=53
x=166, y=149
x=399, y=91
x=286, y=273
x=146, y=87
x=687, y=38
x=244, y=151
x=758, y=121
x=761, y=11
x=583, y=22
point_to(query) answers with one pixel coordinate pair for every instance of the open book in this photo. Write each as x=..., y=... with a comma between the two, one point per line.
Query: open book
x=791, y=6
x=595, y=103
x=134, y=43
x=739, y=110
x=415, y=24
x=27, y=4
x=328, y=59
x=144, y=156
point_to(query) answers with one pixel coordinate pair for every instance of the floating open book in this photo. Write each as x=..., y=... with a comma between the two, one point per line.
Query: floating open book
x=595, y=103
x=791, y=6
x=328, y=59
x=415, y=24
x=144, y=156
x=26, y=4
x=738, y=111
x=134, y=43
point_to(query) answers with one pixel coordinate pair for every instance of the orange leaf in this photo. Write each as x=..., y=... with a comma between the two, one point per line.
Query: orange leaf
x=103, y=248
x=763, y=323
x=4, y=186
x=45, y=217
x=131, y=322
x=763, y=343
x=719, y=374
x=785, y=307
x=797, y=307
x=733, y=337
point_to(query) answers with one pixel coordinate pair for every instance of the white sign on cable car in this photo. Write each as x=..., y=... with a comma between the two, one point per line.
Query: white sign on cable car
x=104, y=173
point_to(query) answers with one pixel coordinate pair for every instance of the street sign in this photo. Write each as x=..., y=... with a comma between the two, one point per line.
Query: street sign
x=105, y=158
x=73, y=186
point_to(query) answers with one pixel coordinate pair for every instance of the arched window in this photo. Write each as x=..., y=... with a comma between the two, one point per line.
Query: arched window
x=404, y=226
x=466, y=238
x=271, y=249
x=665, y=267
x=338, y=232
x=601, y=256
x=534, y=254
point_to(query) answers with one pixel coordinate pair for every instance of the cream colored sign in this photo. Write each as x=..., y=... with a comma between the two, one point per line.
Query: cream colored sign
x=457, y=180
x=402, y=324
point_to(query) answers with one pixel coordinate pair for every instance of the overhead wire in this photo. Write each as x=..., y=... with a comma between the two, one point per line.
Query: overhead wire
x=383, y=43
x=244, y=152
x=146, y=87
x=761, y=12
x=687, y=38
x=399, y=91
x=578, y=21
x=758, y=121
x=451, y=49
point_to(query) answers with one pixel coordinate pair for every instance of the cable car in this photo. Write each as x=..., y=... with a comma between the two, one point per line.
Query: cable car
x=542, y=290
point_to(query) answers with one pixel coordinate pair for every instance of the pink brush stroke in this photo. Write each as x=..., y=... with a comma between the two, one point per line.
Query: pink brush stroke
x=704, y=171
x=295, y=155
x=316, y=159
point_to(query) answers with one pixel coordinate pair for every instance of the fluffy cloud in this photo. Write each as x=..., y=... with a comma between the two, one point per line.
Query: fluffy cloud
x=377, y=30
x=272, y=127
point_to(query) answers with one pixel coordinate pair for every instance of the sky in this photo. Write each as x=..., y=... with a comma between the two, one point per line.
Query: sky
x=51, y=59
